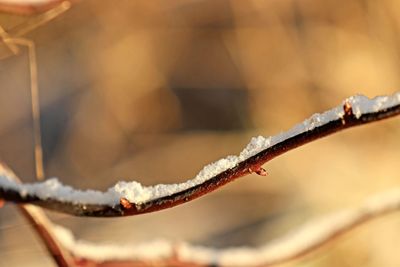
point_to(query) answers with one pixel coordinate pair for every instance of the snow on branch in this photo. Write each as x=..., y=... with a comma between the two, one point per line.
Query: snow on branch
x=307, y=238
x=69, y=251
x=131, y=198
x=293, y=245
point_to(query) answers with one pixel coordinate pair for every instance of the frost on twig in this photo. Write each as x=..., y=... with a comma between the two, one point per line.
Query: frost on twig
x=130, y=198
x=295, y=244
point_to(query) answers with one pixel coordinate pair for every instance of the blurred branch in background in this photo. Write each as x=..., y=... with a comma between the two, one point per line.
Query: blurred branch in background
x=12, y=41
x=26, y=7
x=67, y=251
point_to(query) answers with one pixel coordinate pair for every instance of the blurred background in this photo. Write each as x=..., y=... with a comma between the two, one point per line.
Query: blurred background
x=154, y=90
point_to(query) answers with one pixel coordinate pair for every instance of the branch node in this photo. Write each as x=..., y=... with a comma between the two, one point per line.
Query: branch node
x=125, y=203
x=258, y=170
x=348, y=112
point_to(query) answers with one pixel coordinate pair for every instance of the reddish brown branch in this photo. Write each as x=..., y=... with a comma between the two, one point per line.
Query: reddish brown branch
x=43, y=227
x=243, y=168
x=308, y=238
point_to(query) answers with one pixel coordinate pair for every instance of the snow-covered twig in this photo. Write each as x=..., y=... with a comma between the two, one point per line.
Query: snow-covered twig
x=301, y=241
x=68, y=251
x=131, y=198
x=307, y=238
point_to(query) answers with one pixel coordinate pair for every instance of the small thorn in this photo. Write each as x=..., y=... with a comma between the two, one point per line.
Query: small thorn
x=125, y=203
x=260, y=171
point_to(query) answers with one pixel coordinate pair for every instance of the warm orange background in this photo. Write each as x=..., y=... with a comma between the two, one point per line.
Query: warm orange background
x=154, y=90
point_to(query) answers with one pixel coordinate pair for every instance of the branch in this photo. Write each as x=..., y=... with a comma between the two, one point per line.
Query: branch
x=304, y=240
x=38, y=20
x=26, y=7
x=131, y=198
x=68, y=251
x=38, y=152
x=44, y=228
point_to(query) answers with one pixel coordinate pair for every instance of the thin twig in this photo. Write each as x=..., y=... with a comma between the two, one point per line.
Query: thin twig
x=43, y=227
x=27, y=8
x=65, y=249
x=308, y=238
x=347, y=120
x=12, y=39
x=38, y=151
x=5, y=37
x=34, y=22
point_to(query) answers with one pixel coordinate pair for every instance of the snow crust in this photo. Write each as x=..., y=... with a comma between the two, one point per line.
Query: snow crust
x=312, y=234
x=363, y=105
x=307, y=236
x=137, y=193
x=155, y=250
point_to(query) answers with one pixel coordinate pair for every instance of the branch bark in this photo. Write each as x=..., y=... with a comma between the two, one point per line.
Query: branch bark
x=252, y=164
x=67, y=251
x=44, y=228
x=296, y=244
